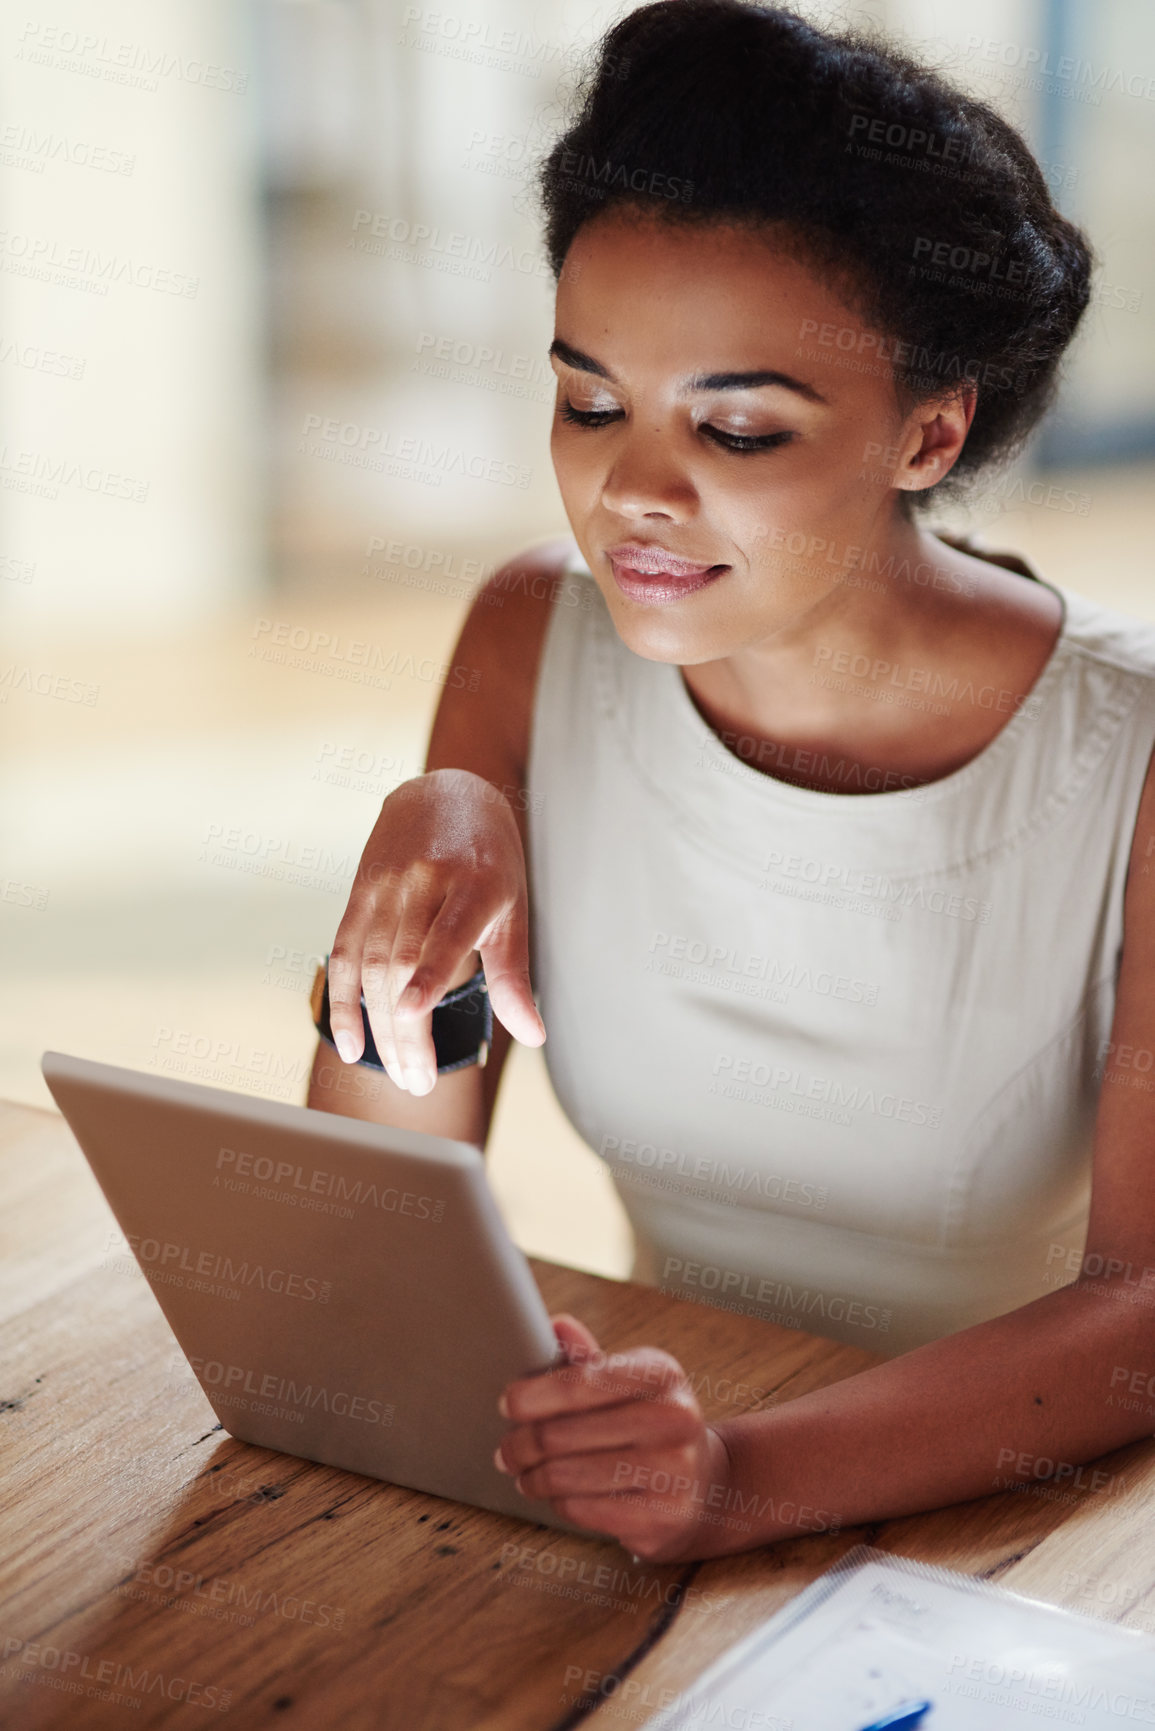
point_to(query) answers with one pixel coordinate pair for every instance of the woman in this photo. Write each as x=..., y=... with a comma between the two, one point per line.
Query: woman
x=833, y=828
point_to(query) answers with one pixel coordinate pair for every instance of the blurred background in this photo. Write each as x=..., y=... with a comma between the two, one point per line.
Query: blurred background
x=273, y=328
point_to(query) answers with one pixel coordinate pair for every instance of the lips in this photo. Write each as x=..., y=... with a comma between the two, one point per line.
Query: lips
x=650, y=560
x=658, y=584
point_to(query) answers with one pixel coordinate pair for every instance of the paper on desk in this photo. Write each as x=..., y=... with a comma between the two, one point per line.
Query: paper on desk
x=879, y=1631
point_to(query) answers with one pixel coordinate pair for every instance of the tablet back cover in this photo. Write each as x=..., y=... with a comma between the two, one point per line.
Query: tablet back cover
x=344, y=1291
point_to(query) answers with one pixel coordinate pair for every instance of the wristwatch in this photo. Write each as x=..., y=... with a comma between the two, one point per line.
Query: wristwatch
x=462, y=1023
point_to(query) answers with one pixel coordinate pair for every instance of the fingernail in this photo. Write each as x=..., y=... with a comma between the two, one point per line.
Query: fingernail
x=346, y=1047
x=497, y=1460
x=503, y=1406
x=418, y=1081
x=411, y=995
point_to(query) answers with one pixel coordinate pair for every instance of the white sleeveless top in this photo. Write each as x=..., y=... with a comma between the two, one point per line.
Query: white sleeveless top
x=841, y=1052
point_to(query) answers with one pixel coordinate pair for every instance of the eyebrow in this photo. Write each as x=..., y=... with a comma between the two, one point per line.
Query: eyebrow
x=584, y=363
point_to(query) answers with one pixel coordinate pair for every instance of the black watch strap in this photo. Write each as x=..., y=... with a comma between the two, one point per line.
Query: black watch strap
x=462, y=1023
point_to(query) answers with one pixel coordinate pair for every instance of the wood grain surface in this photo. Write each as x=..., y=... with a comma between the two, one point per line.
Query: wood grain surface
x=156, y=1572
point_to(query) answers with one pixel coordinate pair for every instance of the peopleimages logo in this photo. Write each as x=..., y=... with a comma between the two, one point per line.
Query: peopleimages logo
x=832, y=874
x=727, y=959
x=170, y=1263
x=283, y=1174
x=731, y=1283
x=1051, y=1681
x=102, y=1679
x=853, y=1098
x=705, y=1167
x=231, y=1383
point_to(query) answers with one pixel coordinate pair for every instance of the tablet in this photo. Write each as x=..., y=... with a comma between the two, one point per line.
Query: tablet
x=343, y=1291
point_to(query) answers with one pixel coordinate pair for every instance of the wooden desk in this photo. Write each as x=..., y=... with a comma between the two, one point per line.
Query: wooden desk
x=185, y=1578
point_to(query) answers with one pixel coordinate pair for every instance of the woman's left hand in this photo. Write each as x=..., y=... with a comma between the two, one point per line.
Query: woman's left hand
x=617, y=1443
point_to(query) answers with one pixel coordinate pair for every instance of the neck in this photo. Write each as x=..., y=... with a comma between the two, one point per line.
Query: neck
x=889, y=605
x=850, y=680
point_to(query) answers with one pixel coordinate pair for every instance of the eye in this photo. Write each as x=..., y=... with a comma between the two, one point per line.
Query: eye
x=587, y=417
x=746, y=441
x=729, y=441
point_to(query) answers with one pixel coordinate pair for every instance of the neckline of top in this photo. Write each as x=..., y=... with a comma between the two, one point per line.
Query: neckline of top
x=772, y=788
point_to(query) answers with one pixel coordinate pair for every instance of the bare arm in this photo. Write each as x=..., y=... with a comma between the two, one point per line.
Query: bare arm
x=1022, y=1398
x=484, y=733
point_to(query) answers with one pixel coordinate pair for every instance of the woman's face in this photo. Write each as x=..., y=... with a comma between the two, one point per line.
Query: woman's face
x=779, y=481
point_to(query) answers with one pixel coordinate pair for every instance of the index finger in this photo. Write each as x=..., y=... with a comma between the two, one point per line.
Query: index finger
x=344, y=970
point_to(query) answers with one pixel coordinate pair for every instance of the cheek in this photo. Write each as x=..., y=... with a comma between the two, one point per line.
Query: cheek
x=865, y=457
x=799, y=527
x=772, y=504
x=561, y=449
x=580, y=474
x=826, y=492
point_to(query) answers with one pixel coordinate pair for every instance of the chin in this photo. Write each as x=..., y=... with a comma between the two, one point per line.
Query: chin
x=661, y=637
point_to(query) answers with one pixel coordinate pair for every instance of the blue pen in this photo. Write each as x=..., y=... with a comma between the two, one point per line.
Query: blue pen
x=901, y=1717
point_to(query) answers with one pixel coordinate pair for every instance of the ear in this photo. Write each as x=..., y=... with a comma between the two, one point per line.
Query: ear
x=933, y=437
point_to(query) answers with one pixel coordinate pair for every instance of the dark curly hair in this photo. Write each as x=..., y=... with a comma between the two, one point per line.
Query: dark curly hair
x=921, y=205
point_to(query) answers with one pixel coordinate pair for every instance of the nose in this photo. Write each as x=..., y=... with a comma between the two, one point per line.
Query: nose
x=645, y=479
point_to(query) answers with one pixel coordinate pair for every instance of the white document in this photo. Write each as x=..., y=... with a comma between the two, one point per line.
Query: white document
x=880, y=1632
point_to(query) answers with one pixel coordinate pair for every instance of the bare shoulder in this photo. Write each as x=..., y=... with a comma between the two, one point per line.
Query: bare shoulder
x=994, y=579
x=487, y=729
x=1002, y=628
